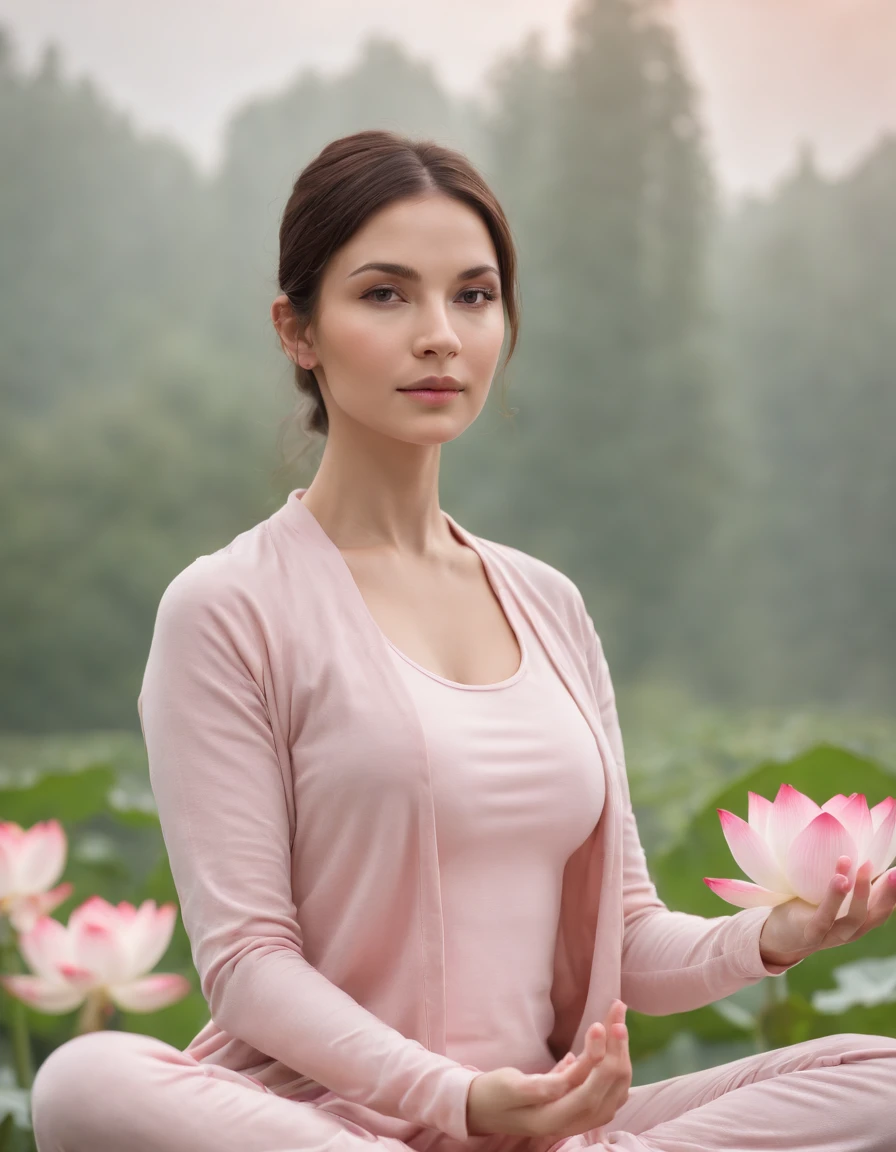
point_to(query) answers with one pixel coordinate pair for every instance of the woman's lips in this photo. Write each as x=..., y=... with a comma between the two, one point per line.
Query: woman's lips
x=432, y=395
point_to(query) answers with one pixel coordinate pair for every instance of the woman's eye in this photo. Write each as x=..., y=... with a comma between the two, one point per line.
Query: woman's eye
x=486, y=293
x=373, y=290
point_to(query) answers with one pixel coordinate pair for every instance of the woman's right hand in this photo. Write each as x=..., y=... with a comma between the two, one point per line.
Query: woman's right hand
x=574, y=1097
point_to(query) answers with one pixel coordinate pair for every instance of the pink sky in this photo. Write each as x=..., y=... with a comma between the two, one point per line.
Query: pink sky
x=774, y=72
x=777, y=71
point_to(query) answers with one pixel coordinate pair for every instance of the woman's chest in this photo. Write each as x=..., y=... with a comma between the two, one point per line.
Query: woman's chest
x=384, y=745
x=361, y=744
x=515, y=771
x=447, y=618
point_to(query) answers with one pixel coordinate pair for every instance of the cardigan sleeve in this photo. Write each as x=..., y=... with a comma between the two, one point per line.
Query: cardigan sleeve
x=671, y=961
x=221, y=786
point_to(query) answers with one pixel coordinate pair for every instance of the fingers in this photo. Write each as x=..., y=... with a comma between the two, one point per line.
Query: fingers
x=571, y=1071
x=615, y=1070
x=593, y=1053
x=883, y=898
x=825, y=927
x=849, y=924
x=553, y=1084
x=579, y=1085
x=609, y=1078
x=826, y=912
x=625, y=1076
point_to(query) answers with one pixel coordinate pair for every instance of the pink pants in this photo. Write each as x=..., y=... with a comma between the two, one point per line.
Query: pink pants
x=122, y=1092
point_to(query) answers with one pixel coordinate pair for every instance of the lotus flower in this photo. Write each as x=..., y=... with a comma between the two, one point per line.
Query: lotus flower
x=790, y=846
x=30, y=864
x=101, y=958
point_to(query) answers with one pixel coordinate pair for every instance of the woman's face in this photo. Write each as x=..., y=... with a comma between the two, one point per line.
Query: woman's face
x=380, y=330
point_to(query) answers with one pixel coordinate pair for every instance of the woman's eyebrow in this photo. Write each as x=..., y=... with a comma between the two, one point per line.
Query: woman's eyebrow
x=412, y=274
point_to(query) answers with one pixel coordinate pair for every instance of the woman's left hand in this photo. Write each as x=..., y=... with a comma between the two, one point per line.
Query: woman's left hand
x=796, y=929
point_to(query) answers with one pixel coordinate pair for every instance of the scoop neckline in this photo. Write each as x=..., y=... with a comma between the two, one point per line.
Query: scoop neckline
x=494, y=577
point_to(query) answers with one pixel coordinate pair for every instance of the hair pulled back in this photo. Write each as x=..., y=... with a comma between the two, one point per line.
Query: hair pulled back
x=346, y=183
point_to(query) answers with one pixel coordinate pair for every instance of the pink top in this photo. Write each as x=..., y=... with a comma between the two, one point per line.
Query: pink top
x=517, y=789
x=297, y=802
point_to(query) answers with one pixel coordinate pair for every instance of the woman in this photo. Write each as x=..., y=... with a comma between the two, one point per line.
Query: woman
x=391, y=781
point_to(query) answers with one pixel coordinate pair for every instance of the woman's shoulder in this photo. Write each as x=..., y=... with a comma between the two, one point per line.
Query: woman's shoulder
x=242, y=580
x=245, y=606
x=232, y=563
x=545, y=577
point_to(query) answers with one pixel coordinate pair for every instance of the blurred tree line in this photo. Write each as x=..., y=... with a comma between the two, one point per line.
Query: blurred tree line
x=704, y=397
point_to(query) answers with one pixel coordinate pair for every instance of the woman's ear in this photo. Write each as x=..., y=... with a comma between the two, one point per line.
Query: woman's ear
x=293, y=339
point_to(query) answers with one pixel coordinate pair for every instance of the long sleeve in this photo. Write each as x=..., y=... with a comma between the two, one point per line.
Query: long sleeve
x=671, y=961
x=221, y=782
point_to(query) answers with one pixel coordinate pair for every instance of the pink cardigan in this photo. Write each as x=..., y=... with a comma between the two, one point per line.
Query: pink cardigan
x=290, y=773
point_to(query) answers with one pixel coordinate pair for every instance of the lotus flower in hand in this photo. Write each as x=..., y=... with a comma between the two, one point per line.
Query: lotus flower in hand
x=790, y=847
x=809, y=863
x=99, y=960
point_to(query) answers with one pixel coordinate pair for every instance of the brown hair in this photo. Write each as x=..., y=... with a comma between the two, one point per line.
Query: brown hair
x=334, y=195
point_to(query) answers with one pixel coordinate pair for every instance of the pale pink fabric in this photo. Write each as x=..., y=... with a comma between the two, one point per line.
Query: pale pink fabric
x=518, y=788
x=297, y=800
x=120, y=1092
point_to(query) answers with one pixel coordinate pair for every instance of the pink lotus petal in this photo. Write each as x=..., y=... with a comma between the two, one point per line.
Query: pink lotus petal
x=94, y=910
x=856, y=819
x=878, y=814
x=82, y=978
x=56, y=896
x=880, y=850
x=11, y=835
x=42, y=994
x=25, y=911
x=836, y=804
x=7, y=873
x=41, y=859
x=22, y=912
x=751, y=852
x=758, y=812
x=45, y=946
x=149, y=935
x=812, y=858
x=881, y=811
x=150, y=993
x=745, y=895
x=97, y=948
x=791, y=812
